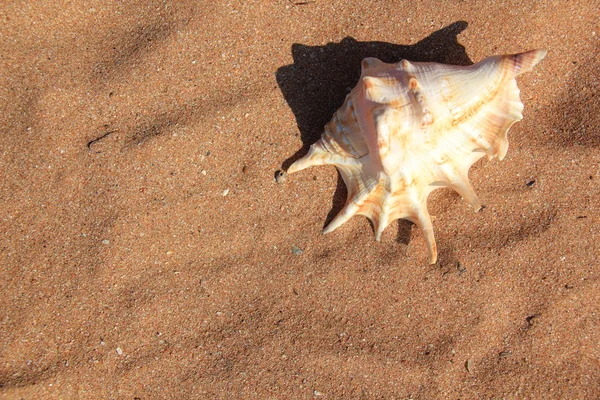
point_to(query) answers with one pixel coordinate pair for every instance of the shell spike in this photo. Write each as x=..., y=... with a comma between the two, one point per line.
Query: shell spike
x=315, y=156
x=379, y=228
x=379, y=225
x=524, y=62
x=349, y=210
x=424, y=223
x=465, y=190
x=431, y=245
x=318, y=155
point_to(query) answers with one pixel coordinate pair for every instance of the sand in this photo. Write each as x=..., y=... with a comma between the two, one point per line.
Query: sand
x=147, y=252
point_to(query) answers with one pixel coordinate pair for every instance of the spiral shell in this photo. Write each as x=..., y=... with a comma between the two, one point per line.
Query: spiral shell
x=409, y=128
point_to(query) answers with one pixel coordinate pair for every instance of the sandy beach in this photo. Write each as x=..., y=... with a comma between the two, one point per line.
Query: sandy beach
x=148, y=252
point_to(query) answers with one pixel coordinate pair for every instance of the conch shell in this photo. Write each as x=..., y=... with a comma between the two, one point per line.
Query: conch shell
x=409, y=128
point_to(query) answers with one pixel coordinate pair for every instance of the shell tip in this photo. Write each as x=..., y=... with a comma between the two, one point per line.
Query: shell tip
x=333, y=225
x=430, y=241
x=529, y=59
x=370, y=62
x=432, y=248
x=406, y=65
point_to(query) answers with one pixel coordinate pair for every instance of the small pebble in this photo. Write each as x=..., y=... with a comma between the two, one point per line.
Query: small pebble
x=119, y=351
x=504, y=354
x=105, y=241
x=225, y=192
x=297, y=250
x=280, y=176
x=469, y=365
x=203, y=172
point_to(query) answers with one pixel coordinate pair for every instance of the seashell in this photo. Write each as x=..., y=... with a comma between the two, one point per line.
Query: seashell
x=409, y=128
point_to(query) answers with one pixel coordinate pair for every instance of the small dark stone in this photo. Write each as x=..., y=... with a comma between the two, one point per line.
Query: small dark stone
x=530, y=183
x=529, y=319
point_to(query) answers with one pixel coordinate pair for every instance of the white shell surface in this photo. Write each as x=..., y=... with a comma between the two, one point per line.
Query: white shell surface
x=408, y=128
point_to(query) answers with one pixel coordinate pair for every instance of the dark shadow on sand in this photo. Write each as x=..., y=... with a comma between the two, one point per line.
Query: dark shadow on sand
x=316, y=84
